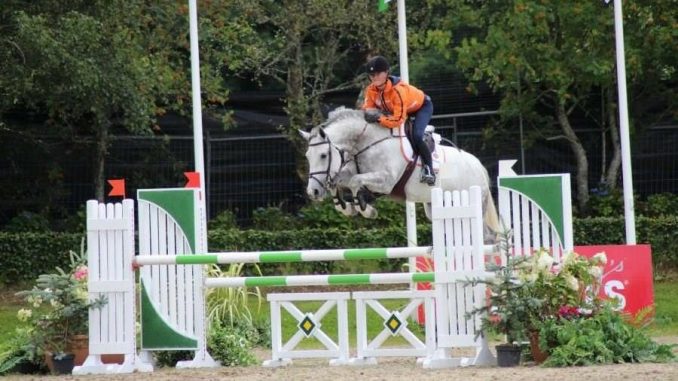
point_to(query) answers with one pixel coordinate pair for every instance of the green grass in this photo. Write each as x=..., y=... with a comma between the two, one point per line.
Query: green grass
x=375, y=324
x=665, y=322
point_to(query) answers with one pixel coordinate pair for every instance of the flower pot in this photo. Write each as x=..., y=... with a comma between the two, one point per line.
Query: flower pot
x=538, y=355
x=63, y=363
x=79, y=346
x=508, y=355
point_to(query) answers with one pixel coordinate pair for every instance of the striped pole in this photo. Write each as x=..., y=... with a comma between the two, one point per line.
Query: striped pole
x=284, y=256
x=320, y=280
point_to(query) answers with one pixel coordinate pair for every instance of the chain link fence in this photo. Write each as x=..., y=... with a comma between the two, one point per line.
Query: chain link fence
x=249, y=172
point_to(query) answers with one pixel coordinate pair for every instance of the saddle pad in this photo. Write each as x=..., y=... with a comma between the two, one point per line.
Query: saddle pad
x=407, y=152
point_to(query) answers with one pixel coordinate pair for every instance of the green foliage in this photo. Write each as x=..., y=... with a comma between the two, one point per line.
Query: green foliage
x=604, y=338
x=28, y=222
x=64, y=293
x=230, y=346
x=24, y=256
x=224, y=220
x=528, y=290
x=229, y=305
x=549, y=58
x=324, y=215
x=611, y=204
x=165, y=359
x=21, y=349
x=272, y=218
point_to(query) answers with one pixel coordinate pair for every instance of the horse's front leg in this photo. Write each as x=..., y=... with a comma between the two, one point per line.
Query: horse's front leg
x=361, y=185
x=343, y=201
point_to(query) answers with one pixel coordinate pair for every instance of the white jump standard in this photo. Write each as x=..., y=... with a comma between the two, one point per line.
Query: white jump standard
x=173, y=284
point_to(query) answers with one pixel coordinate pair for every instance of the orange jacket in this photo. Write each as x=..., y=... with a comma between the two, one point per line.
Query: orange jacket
x=398, y=99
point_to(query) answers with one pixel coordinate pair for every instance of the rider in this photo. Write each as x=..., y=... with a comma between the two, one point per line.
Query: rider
x=389, y=101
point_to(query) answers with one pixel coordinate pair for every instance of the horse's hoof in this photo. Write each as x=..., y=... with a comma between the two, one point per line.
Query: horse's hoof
x=370, y=213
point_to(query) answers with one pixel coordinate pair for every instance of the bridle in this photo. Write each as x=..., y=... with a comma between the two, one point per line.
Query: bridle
x=330, y=181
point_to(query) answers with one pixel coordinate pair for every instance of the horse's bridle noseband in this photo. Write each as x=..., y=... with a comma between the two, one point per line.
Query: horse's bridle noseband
x=329, y=179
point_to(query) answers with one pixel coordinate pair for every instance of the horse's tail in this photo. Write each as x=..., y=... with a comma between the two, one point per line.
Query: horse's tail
x=490, y=216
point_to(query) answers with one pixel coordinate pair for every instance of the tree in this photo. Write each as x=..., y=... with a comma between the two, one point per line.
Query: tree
x=311, y=48
x=550, y=58
x=89, y=66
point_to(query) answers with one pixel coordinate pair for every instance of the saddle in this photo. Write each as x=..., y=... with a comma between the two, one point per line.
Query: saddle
x=398, y=190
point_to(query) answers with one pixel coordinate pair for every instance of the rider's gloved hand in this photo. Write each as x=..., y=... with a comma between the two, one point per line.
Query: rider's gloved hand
x=372, y=115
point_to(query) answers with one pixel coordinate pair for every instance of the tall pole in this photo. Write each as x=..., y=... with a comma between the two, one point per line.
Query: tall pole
x=197, y=102
x=410, y=210
x=195, y=89
x=627, y=175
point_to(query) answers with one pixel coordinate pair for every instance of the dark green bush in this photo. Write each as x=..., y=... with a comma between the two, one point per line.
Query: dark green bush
x=24, y=256
x=604, y=338
x=230, y=346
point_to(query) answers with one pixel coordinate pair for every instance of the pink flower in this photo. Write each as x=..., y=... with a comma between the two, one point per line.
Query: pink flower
x=80, y=273
x=569, y=312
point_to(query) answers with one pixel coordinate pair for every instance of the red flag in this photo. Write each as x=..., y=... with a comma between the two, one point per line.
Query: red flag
x=193, y=179
x=117, y=188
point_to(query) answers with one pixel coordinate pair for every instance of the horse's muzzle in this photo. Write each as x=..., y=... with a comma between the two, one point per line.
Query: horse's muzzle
x=315, y=193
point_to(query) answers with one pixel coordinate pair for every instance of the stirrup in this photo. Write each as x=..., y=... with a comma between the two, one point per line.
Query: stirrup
x=427, y=175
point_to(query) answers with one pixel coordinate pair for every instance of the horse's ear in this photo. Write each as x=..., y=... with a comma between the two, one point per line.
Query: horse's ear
x=304, y=134
x=322, y=133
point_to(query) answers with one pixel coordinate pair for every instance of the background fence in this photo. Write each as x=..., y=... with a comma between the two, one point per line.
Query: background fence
x=245, y=172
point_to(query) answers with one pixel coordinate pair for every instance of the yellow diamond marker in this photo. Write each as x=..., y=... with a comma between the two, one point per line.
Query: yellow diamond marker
x=393, y=324
x=307, y=326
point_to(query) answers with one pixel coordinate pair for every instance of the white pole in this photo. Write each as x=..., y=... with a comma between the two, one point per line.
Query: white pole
x=627, y=175
x=195, y=88
x=199, y=156
x=410, y=210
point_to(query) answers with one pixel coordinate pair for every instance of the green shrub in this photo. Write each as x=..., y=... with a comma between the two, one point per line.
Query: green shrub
x=230, y=346
x=224, y=220
x=28, y=222
x=24, y=256
x=272, y=218
x=604, y=338
x=165, y=359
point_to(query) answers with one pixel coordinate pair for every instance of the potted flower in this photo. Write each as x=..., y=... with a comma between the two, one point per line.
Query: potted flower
x=505, y=312
x=59, y=312
x=526, y=291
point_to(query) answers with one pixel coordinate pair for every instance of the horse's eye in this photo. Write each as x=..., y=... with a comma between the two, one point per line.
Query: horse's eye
x=323, y=156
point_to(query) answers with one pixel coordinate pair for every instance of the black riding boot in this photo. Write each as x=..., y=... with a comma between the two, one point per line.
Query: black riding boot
x=427, y=174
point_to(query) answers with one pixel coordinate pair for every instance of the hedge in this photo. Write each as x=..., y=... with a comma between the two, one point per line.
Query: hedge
x=23, y=256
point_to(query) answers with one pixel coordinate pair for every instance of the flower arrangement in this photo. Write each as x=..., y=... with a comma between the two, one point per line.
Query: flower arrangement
x=58, y=307
x=527, y=290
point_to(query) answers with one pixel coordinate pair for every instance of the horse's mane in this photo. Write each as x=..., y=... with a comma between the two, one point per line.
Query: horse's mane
x=341, y=113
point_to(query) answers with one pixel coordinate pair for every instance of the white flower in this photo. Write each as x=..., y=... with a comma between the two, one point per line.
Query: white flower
x=600, y=258
x=37, y=301
x=24, y=314
x=81, y=294
x=596, y=272
x=544, y=262
x=572, y=282
x=569, y=258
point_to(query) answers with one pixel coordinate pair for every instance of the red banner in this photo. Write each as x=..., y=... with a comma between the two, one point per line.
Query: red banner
x=627, y=275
